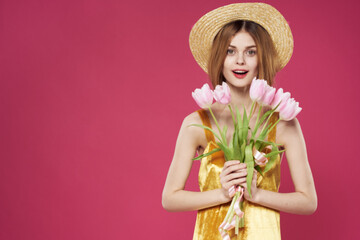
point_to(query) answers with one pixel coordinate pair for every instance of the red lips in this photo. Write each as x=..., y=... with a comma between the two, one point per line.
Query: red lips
x=240, y=75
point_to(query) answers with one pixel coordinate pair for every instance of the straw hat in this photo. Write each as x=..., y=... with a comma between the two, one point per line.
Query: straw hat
x=205, y=29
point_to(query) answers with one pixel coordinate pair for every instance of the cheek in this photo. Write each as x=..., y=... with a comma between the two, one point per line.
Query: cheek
x=226, y=65
x=254, y=64
x=227, y=62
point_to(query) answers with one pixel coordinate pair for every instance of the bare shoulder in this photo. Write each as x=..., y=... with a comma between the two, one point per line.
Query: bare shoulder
x=190, y=120
x=194, y=132
x=287, y=131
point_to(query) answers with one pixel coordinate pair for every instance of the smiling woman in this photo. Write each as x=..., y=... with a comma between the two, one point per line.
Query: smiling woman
x=242, y=50
x=258, y=40
x=234, y=44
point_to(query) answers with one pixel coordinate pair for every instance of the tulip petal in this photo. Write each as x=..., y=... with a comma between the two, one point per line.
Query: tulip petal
x=257, y=89
x=222, y=93
x=203, y=97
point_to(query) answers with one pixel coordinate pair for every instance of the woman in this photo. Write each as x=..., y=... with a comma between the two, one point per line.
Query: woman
x=234, y=44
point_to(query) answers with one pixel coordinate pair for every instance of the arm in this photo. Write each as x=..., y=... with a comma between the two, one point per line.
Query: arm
x=304, y=199
x=174, y=197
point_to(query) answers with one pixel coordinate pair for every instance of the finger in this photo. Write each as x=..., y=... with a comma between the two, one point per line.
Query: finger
x=244, y=185
x=243, y=165
x=230, y=169
x=226, y=169
x=234, y=176
x=254, y=180
x=233, y=168
x=236, y=182
x=231, y=162
x=234, y=162
x=241, y=170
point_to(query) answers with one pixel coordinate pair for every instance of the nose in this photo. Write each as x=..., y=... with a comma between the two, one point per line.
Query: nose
x=240, y=59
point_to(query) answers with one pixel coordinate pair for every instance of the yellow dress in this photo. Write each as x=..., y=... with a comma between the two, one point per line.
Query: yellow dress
x=261, y=223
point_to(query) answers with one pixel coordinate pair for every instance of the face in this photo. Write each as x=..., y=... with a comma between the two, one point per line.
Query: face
x=241, y=61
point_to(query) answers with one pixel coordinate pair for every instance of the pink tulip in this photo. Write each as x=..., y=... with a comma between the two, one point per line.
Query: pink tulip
x=290, y=110
x=268, y=96
x=203, y=97
x=222, y=93
x=257, y=89
x=261, y=92
x=280, y=96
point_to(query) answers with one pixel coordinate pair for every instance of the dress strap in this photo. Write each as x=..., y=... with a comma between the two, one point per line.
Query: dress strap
x=272, y=133
x=206, y=122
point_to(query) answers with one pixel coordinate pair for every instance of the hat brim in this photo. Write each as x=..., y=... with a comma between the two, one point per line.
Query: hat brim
x=205, y=29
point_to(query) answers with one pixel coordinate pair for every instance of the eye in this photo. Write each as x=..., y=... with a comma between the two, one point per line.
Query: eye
x=230, y=51
x=250, y=52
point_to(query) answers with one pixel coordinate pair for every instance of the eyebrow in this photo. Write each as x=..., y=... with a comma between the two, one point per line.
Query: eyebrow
x=245, y=47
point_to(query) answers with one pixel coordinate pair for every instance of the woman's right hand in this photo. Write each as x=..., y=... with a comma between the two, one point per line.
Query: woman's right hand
x=233, y=173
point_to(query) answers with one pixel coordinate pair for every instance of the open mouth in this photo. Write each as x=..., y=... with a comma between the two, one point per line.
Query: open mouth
x=240, y=74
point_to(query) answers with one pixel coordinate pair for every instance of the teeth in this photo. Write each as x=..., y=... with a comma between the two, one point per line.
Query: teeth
x=240, y=71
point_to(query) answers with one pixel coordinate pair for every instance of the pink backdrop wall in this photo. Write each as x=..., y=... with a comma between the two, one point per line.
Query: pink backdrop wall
x=92, y=95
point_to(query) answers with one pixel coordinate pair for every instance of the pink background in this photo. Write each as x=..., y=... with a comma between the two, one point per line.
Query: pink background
x=93, y=94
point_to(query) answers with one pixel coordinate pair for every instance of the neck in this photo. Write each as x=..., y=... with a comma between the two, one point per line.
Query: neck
x=240, y=98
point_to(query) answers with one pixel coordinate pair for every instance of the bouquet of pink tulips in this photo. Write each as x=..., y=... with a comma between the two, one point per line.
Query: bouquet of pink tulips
x=249, y=150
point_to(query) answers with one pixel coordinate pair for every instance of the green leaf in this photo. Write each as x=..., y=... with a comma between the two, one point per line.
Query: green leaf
x=272, y=158
x=226, y=150
x=269, y=164
x=267, y=128
x=207, y=154
x=236, y=145
x=240, y=142
x=272, y=153
x=242, y=152
x=266, y=142
x=205, y=127
x=232, y=115
x=234, y=139
x=223, y=134
x=257, y=122
x=257, y=144
x=263, y=134
x=249, y=160
x=239, y=122
x=245, y=126
x=261, y=121
x=258, y=168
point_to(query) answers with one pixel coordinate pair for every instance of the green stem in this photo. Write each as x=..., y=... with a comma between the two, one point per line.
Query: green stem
x=216, y=122
x=256, y=123
x=232, y=115
x=258, y=116
x=237, y=225
x=267, y=120
x=251, y=110
x=222, y=133
x=231, y=208
x=210, y=129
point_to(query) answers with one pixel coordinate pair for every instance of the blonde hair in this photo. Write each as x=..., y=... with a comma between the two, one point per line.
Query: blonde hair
x=268, y=62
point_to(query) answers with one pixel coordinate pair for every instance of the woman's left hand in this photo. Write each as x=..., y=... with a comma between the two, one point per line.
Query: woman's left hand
x=254, y=189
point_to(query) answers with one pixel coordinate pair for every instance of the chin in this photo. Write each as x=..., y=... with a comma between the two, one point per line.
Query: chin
x=240, y=83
